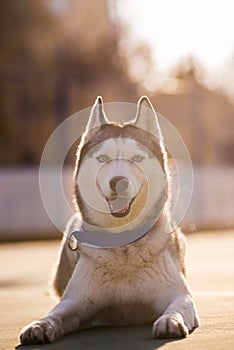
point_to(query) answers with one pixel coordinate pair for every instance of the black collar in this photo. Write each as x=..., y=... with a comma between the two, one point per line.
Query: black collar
x=105, y=240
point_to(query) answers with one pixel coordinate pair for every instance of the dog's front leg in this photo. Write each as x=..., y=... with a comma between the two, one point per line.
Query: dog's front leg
x=65, y=317
x=78, y=304
x=178, y=320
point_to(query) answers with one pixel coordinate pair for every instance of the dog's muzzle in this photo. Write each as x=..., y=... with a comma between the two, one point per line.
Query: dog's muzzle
x=120, y=200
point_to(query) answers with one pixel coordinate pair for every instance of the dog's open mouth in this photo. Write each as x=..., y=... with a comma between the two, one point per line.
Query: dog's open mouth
x=120, y=207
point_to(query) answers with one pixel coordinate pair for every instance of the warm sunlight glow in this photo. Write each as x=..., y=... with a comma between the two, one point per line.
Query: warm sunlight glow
x=175, y=30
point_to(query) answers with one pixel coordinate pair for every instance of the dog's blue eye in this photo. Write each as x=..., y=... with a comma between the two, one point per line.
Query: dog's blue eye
x=137, y=158
x=102, y=158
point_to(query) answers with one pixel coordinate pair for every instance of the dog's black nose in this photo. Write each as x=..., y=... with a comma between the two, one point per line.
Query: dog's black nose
x=119, y=184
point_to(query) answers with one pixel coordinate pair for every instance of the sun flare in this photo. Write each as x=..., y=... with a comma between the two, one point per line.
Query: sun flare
x=176, y=30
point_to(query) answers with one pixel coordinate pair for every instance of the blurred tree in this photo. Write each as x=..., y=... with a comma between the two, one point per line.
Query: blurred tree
x=51, y=66
x=227, y=155
x=24, y=42
x=22, y=24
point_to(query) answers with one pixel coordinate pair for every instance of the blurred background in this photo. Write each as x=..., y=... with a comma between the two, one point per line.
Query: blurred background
x=58, y=55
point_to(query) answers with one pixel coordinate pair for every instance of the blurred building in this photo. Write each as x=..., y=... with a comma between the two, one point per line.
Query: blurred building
x=88, y=22
x=60, y=55
x=63, y=56
x=204, y=118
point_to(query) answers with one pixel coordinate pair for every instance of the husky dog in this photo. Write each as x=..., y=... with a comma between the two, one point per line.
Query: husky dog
x=122, y=182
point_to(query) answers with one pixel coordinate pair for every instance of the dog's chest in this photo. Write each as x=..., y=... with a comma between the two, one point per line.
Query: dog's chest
x=125, y=272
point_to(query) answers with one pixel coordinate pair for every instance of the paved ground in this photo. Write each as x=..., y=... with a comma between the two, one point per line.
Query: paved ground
x=24, y=271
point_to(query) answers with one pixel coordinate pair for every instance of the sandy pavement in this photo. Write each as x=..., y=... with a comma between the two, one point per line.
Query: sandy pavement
x=25, y=269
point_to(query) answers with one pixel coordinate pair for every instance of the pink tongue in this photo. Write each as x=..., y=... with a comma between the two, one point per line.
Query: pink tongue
x=119, y=204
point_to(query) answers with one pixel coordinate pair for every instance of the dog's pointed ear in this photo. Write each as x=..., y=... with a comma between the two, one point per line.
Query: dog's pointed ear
x=146, y=117
x=97, y=115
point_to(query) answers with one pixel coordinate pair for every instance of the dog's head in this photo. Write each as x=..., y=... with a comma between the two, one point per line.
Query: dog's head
x=120, y=174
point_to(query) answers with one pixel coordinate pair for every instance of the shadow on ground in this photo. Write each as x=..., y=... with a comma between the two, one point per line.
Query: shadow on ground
x=105, y=338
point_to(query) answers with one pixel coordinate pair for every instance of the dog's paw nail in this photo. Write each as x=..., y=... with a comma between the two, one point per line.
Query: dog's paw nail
x=170, y=326
x=39, y=332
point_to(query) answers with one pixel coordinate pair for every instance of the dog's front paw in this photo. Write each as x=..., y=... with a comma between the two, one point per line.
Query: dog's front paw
x=42, y=331
x=170, y=326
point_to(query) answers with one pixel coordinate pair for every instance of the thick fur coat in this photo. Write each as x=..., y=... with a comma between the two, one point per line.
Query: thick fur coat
x=143, y=281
